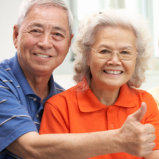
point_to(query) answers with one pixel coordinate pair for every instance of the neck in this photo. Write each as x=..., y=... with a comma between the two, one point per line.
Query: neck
x=105, y=95
x=39, y=84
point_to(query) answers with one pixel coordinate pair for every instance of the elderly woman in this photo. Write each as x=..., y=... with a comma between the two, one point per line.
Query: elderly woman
x=113, y=48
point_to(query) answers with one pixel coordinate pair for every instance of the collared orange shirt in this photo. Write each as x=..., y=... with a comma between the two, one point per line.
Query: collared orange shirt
x=78, y=110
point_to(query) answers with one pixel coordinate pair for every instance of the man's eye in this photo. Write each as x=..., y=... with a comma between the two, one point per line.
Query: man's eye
x=58, y=36
x=35, y=31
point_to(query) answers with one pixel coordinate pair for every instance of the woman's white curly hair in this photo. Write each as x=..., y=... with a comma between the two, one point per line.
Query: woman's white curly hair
x=113, y=17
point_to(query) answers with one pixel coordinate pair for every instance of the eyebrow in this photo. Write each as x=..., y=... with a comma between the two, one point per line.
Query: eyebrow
x=122, y=47
x=35, y=25
x=41, y=26
x=59, y=28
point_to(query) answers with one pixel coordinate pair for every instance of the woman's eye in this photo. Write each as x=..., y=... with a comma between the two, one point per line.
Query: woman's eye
x=105, y=51
x=125, y=52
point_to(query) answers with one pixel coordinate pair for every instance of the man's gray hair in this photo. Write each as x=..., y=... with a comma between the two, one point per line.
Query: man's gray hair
x=28, y=4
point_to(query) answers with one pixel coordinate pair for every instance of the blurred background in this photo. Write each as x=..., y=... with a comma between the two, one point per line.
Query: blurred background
x=63, y=74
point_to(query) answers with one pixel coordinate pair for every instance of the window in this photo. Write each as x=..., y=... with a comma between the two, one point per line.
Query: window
x=155, y=14
x=147, y=8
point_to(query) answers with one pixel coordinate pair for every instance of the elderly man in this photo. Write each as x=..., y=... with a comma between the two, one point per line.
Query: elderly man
x=42, y=38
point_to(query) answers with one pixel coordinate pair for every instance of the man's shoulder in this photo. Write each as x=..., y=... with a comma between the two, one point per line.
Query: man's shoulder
x=8, y=80
x=58, y=88
x=5, y=69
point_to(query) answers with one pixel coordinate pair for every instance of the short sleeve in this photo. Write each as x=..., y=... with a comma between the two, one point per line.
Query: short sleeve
x=152, y=115
x=53, y=120
x=14, y=117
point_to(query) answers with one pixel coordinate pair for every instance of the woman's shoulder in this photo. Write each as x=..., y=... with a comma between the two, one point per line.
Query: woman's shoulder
x=65, y=95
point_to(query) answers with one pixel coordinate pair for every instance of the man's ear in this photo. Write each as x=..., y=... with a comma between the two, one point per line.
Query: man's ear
x=15, y=35
x=71, y=37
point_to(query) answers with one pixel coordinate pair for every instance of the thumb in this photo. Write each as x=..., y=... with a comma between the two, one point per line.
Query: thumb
x=138, y=115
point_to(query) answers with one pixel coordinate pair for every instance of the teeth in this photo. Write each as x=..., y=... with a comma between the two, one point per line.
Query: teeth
x=113, y=72
x=44, y=56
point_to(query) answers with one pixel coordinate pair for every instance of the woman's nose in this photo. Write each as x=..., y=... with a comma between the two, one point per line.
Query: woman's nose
x=114, y=59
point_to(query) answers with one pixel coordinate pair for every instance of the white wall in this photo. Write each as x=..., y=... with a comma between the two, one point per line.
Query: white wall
x=8, y=17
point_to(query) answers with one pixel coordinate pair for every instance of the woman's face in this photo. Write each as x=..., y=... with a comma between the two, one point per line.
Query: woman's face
x=113, y=57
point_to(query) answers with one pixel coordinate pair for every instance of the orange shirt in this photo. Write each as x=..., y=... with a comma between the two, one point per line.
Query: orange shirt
x=77, y=111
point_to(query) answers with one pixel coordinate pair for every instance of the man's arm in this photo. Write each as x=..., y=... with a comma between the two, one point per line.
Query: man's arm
x=153, y=155
x=133, y=138
x=64, y=146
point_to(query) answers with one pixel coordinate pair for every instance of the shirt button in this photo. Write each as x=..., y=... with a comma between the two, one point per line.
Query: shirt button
x=112, y=126
x=37, y=115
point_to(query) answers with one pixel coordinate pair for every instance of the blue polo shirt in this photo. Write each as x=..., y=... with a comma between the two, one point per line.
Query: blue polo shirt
x=20, y=108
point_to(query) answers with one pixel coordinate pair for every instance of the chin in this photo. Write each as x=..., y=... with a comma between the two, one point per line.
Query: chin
x=112, y=85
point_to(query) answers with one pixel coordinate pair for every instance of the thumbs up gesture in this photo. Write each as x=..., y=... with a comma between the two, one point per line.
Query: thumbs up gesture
x=137, y=139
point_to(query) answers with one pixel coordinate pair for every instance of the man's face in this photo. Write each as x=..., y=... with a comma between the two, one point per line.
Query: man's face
x=43, y=39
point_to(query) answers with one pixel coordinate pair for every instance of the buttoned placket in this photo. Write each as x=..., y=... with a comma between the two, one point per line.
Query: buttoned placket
x=35, y=109
x=111, y=118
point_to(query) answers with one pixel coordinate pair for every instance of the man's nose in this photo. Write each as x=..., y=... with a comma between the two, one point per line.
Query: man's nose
x=45, y=41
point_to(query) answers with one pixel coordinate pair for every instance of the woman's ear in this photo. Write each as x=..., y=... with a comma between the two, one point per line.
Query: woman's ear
x=15, y=35
x=88, y=57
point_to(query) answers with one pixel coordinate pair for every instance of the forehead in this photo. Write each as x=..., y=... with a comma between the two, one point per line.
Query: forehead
x=47, y=15
x=114, y=34
x=111, y=29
